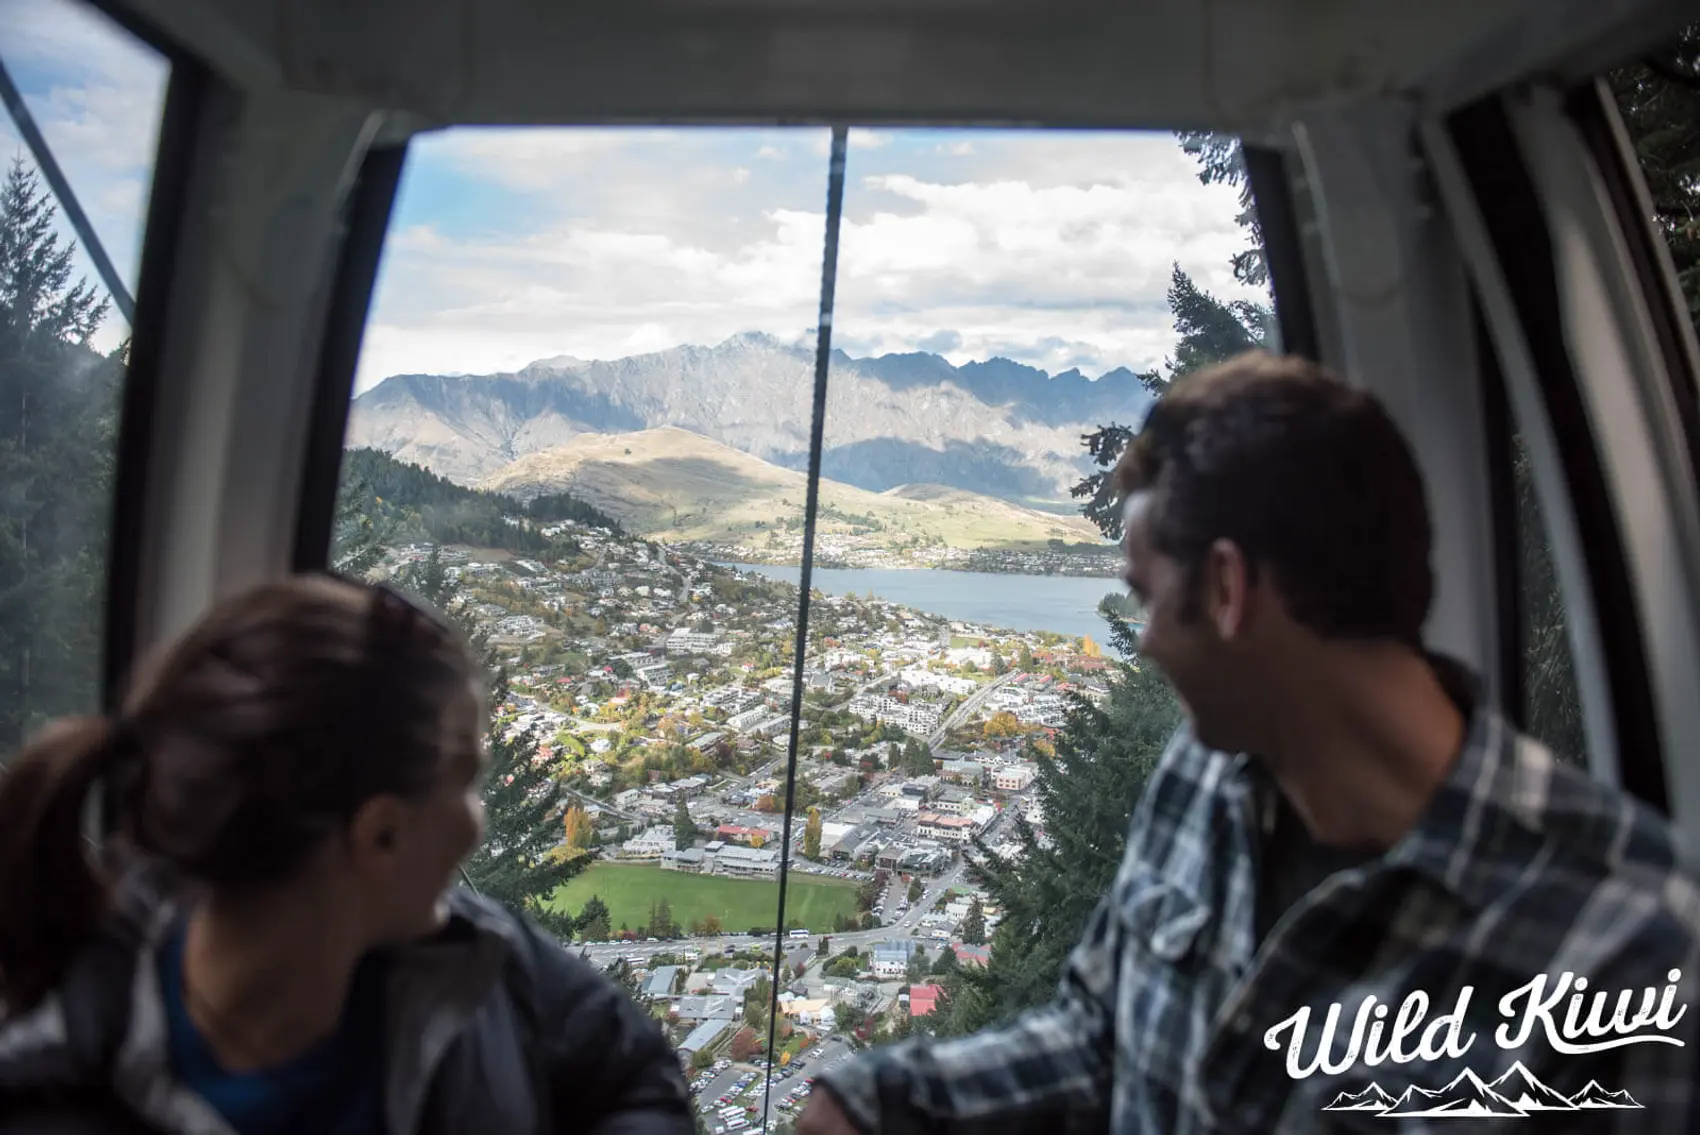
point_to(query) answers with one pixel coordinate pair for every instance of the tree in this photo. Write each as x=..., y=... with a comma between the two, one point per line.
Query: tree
x=661, y=920
x=1103, y=757
x=685, y=830
x=1210, y=332
x=517, y=864
x=847, y=1018
x=711, y=927
x=811, y=835
x=577, y=828
x=918, y=758
x=1089, y=648
x=58, y=432
x=744, y=1045
x=1002, y=724
x=974, y=924
x=592, y=923
x=1221, y=160
x=823, y=947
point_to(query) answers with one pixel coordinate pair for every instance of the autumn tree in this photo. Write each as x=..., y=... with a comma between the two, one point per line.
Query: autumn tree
x=1002, y=724
x=811, y=835
x=577, y=828
x=744, y=1045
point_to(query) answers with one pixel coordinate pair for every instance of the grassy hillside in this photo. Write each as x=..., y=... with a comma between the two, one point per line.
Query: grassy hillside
x=740, y=904
x=680, y=486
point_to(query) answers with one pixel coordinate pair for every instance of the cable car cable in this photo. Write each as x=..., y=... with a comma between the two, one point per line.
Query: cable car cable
x=817, y=429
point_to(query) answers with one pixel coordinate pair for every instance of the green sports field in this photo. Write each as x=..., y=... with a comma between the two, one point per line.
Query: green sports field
x=740, y=904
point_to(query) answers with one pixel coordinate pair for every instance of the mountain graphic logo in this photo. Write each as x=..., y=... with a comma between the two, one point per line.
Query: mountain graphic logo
x=1519, y=1092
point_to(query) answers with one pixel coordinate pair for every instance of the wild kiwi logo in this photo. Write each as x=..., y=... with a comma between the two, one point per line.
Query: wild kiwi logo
x=1591, y=1021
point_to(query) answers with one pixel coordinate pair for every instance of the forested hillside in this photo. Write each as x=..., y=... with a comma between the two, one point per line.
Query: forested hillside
x=411, y=503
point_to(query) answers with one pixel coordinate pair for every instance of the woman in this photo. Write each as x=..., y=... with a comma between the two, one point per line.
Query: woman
x=295, y=783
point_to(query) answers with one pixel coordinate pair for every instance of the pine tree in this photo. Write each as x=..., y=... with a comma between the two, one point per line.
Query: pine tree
x=685, y=830
x=1210, y=331
x=58, y=439
x=974, y=925
x=1221, y=160
x=592, y=923
x=521, y=862
x=1086, y=793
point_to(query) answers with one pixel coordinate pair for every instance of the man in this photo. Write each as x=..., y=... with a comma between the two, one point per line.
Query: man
x=1350, y=887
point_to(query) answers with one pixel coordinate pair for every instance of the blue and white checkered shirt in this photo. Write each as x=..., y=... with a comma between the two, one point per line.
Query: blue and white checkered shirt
x=1169, y=1016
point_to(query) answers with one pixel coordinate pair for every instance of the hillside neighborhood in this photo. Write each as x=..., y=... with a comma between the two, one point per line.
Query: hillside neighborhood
x=659, y=688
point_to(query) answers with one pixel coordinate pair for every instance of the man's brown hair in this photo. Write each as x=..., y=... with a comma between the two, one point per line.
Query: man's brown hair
x=1309, y=477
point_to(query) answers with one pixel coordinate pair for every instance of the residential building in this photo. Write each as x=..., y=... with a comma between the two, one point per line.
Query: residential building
x=963, y=772
x=714, y=1007
x=735, y=982
x=951, y=829
x=891, y=959
x=702, y=1036
x=733, y=833
x=1016, y=777
x=660, y=983
x=923, y=999
x=747, y=862
x=651, y=843
x=683, y=859
x=684, y=641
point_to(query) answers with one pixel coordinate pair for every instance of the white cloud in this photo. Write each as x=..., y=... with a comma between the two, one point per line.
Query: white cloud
x=1053, y=249
x=96, y=94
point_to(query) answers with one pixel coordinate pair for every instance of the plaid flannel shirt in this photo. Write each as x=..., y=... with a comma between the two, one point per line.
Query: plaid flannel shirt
x=1168, y=1015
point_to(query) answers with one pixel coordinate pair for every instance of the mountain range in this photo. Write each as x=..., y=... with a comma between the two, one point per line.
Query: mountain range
x=998, y=428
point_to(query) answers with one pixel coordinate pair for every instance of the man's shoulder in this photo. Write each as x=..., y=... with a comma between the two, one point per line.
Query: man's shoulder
x=1605, y=863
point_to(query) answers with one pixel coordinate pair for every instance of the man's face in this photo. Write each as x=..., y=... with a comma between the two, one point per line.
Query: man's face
x=1179, y=636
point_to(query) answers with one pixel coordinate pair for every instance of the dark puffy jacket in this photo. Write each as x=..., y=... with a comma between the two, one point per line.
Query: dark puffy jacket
x=491, y=1029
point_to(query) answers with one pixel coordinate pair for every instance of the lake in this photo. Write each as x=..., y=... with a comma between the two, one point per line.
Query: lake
x=1062, y=604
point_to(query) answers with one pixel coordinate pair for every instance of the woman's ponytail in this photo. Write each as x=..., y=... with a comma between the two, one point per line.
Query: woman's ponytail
x=52, y=893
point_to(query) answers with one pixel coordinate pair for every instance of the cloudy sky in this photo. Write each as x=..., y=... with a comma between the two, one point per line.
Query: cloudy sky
x=513, y=245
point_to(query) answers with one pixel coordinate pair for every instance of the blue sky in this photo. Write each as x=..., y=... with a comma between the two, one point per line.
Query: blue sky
x=509, y=246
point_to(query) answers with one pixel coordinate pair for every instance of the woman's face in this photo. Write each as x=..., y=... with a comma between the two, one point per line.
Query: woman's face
x=432, y=833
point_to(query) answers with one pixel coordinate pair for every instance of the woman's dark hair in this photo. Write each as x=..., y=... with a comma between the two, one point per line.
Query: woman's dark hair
x=1311, y=479
x=240, y=748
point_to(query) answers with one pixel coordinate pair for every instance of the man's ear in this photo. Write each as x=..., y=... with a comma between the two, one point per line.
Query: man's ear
x=1228, y=594
x=375, y=836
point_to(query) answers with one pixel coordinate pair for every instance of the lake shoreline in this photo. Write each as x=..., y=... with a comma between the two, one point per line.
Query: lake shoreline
x=1065, y=605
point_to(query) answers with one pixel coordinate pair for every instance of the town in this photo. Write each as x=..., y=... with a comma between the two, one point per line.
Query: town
x=660, y=688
